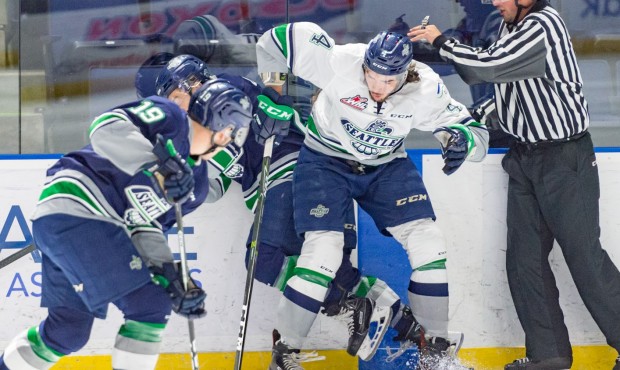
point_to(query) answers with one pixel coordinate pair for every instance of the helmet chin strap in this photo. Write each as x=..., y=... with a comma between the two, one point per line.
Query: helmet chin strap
x=518, y=15
x=212, y=148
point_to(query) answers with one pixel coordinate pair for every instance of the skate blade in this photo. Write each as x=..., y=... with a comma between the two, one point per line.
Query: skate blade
x=309, y=357
x=382, y=315
x=456, y=338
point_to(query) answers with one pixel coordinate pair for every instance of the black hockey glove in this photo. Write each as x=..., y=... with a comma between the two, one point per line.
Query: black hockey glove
x=170, y=174
x=190, y=303
x=454, y=148
x=273, y=117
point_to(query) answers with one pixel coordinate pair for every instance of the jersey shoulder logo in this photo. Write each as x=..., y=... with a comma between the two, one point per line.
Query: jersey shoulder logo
x=453, y=108
x=234, y=171
x=321, y=40
x=356, y=102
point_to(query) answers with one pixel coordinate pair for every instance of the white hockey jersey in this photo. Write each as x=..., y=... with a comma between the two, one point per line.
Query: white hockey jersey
x=345, y=121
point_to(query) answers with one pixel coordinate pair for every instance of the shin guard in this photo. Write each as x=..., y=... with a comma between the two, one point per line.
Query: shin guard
x=428, y=285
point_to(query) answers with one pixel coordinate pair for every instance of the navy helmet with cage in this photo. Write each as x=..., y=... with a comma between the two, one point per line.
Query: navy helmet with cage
x=181, y=72
x=219, y=105
x=389, y=53
x=148, y=72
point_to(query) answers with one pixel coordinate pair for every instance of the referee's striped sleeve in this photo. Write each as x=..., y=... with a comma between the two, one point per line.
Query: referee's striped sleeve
x=538, y=87
x=516, y=56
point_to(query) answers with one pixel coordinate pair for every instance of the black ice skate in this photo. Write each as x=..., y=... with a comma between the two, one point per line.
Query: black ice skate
x=413, y=334
x=364, y=313
x=440, y=352
x=283, y=357
x=378, y=326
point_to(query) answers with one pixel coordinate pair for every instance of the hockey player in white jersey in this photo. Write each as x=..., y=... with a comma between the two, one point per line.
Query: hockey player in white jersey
x=352, y=297
x=372, y=96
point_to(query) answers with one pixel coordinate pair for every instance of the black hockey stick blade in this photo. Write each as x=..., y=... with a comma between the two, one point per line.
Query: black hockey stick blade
x=17, y=255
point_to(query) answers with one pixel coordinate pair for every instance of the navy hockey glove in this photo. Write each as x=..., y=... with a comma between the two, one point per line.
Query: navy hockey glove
x=171, y=174
x=454, y=148
x=190, y=303
x=274, y=116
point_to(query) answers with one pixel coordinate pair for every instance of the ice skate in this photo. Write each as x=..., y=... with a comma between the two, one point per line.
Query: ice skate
x=439, y=353
x=283, y=357
x=360, y=314
x=412, y=335
x=377, y=327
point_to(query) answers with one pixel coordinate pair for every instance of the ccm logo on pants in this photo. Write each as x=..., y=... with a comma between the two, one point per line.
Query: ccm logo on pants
x=411, y=199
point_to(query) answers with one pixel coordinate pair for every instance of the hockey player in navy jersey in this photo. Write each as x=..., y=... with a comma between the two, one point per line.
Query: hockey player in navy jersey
x=351, y=294
x=105, y=206
x=372, y=96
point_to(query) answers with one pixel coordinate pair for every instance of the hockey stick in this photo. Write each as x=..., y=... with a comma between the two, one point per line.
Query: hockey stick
x=249, y=281
x=185, y=276
x=17, y=255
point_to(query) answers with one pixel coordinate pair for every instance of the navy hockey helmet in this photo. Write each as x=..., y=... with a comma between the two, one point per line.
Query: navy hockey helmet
x=181, y=72
x=148, y=72
x=389, y=53
x=219, y=105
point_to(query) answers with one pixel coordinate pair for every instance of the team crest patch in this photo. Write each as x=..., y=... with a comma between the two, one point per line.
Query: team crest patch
x=147, y=205
x=136, y=263
x=356, y=102
x=453, y=108
x=375, y=138
x=235, y=171
x=319, y=211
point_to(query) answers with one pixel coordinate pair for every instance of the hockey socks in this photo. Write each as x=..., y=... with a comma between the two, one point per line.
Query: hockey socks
x=27, y=351
x=137, y=346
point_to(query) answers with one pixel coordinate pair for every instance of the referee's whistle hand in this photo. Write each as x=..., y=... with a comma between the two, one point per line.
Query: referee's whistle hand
x=429, y=33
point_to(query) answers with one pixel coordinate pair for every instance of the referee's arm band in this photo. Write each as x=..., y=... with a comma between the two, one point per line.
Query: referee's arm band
x=439, y=41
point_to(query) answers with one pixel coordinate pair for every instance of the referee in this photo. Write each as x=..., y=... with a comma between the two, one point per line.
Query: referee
x=553, y=190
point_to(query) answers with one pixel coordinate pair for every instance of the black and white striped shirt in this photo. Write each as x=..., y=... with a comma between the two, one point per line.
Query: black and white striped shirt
x=538, y=86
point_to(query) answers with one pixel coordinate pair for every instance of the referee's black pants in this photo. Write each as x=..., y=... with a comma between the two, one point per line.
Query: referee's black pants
x=553, y=194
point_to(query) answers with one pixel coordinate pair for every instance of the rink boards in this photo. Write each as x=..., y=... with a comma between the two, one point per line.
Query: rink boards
x=470, y=206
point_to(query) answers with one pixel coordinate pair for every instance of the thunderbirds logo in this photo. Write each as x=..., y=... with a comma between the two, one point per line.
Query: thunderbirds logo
x=356, y=102
x=406, y=50
x=147, y=205
x=235, y=171
x=374, y=139
x=136, y=263
x=319, y=211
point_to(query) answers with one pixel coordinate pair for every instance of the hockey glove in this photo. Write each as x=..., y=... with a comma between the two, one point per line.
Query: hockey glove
x=454, y=148
x=188, y=303
x=274, y=116
x=170, y=174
